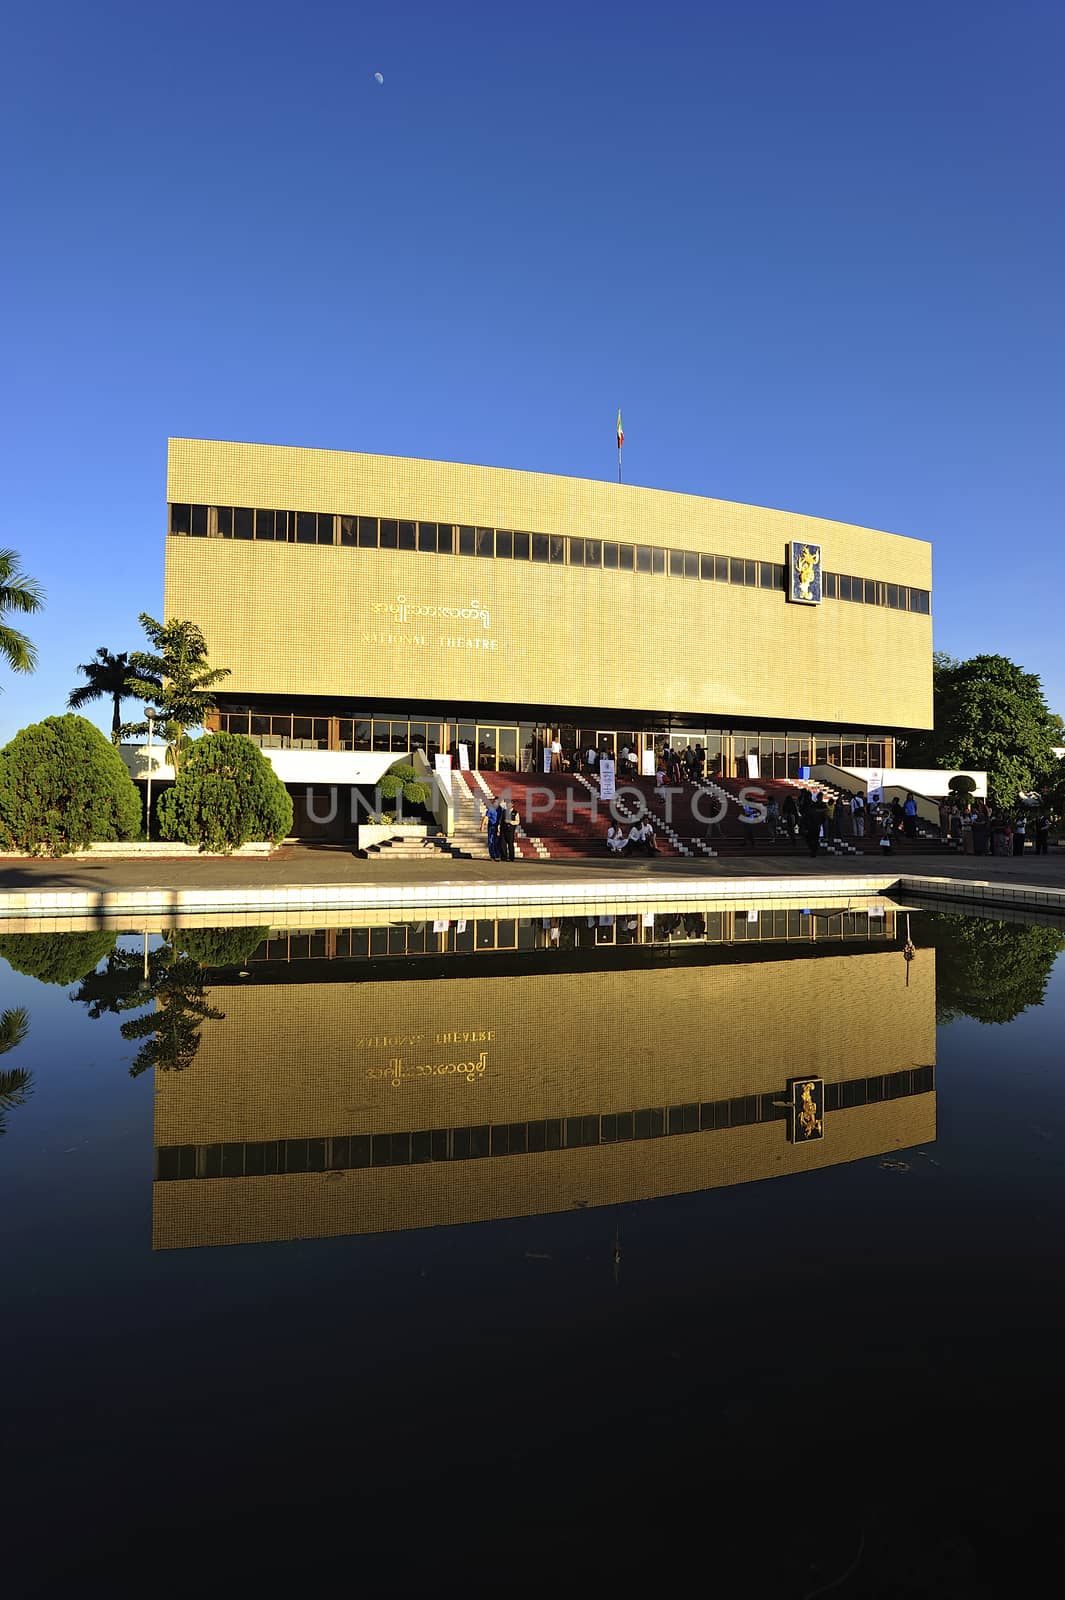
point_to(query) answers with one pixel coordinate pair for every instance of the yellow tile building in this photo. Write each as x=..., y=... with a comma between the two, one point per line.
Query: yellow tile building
x=380, y=604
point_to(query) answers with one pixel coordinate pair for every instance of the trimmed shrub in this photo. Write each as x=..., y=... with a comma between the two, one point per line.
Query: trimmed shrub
x=403, y=779
x=220, y=947
x=225, y=795
x=64, y=786
x=962, y=785
x=56, y=957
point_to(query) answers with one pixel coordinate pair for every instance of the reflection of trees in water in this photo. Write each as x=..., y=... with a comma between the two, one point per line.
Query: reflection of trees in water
x=55, y=957
x=15, y=1082
x=173, y=981
x=990, y=971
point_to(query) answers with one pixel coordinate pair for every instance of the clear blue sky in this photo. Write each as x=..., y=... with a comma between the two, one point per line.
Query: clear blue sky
x=815, y=251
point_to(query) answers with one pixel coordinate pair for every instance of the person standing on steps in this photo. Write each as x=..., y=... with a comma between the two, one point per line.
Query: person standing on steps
x=815, y=816
x=507, y=823
x=909, y=817
x=490, y=825
x=858, y=816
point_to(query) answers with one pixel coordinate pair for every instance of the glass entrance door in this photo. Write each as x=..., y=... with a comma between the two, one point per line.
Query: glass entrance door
x=497, y=748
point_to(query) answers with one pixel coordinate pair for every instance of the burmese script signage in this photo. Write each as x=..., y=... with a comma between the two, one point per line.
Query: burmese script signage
x=399, y=1070
x=449, y=1053
x=415, y=625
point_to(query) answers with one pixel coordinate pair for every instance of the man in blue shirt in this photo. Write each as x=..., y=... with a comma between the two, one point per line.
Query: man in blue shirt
x=491, y=823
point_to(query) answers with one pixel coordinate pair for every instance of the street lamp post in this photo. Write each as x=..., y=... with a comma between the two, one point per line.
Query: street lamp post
x=149, y=712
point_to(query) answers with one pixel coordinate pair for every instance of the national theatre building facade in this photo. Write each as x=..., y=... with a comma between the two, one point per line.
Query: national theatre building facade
x=368, y=606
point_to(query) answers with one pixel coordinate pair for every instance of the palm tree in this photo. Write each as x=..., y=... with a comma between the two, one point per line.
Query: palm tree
x=17, y=593
x=177, y=676
x=15, y=1082
x=107, y=676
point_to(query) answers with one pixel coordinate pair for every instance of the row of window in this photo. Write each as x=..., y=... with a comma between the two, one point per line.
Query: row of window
x=347, y=1151
x=445, y=538
x=516, y=748
x=474, y=935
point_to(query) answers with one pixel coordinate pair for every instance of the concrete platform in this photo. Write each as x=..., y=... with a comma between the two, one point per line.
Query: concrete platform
x=299, y=879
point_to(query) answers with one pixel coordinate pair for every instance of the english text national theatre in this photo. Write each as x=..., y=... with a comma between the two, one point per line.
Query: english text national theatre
x=369, y=606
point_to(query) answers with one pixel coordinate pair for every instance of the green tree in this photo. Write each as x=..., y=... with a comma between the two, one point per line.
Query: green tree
x=20, y=594
x=62, y=786
x=990, y=715
x=403, y=779
x=107, y=678
x=60, y=958
x=15, y=1082
x=990, y=971
x=226, y=794
x=175, y=673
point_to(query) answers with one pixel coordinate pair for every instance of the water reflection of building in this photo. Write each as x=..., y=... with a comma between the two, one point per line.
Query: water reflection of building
x=321, y=1108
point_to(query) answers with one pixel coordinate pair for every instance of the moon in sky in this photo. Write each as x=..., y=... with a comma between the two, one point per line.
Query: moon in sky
x=378, y=77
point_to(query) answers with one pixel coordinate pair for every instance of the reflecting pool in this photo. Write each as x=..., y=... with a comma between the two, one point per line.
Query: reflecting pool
x=445, y=1252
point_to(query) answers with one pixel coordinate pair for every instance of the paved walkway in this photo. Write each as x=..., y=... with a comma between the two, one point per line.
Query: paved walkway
x=305, y=866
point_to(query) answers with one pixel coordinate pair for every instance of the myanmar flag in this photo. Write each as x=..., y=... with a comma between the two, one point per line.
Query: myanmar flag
x=621, y=430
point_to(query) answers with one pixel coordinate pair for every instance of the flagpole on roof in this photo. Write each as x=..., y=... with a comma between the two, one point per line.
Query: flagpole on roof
x=621, y=441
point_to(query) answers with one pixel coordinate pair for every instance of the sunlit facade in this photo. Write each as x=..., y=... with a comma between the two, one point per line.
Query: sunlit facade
x=368, y=606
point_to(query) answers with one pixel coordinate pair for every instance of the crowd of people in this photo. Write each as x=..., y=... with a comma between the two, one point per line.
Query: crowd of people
x=981, y=829
x=811, y=816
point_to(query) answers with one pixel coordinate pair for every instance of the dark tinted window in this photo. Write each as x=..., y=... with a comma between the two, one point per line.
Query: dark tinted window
x=625, y=555
x=225, y=521
x=504, y=544
x=576, y=552
x=721, y=566
x=691, y=564
x=445, y=539
x=486, y=541
x=406, y=536
x=389, y=533
x=610, y=555
x=349, y=529
x=467, y=542
x=593, y=552
x=199, y=522
x=658, y=561
x=521, y=547
x=541, y=547
x=306, y=527
x=643, y=558
x=368, y=533
x=427, y=536
x=676, y=563
x=180, y=517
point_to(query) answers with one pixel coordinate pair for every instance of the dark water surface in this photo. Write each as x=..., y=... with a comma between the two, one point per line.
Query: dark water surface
x=491, y=1256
